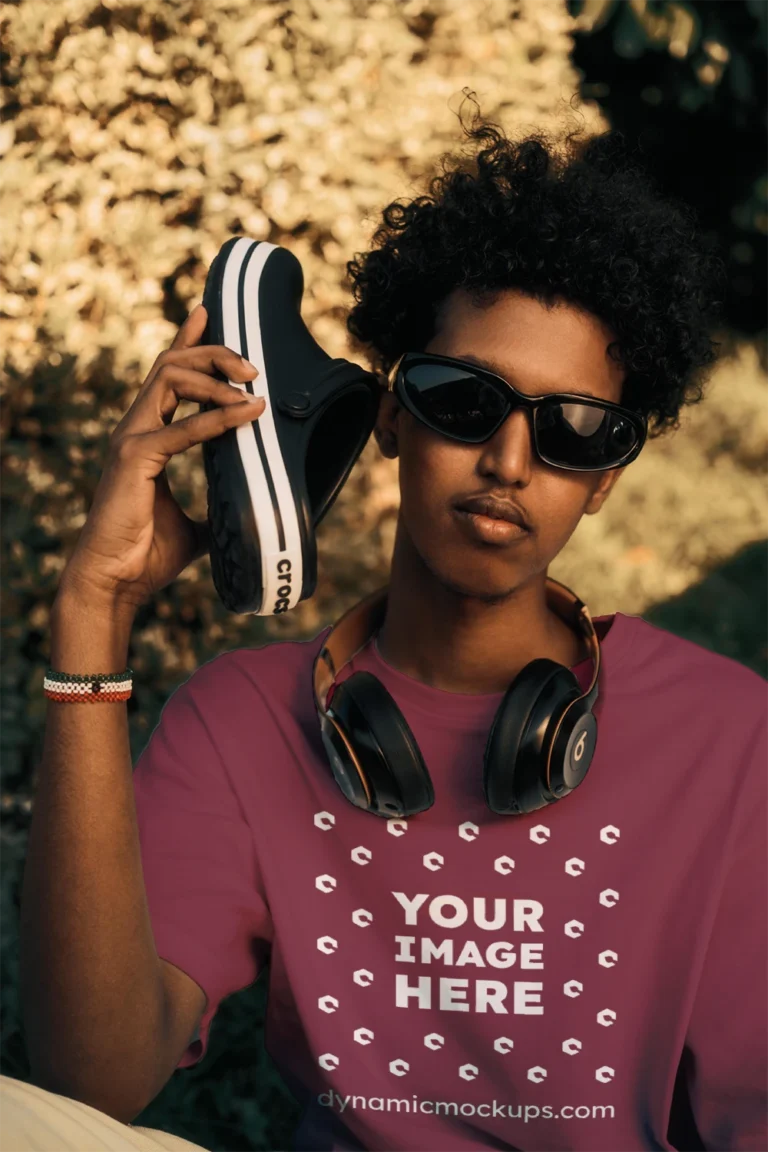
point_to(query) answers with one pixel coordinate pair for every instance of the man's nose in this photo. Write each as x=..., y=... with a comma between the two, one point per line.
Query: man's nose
x=509, y=453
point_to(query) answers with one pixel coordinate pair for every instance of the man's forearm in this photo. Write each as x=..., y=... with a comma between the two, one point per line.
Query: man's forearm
x=91, y=987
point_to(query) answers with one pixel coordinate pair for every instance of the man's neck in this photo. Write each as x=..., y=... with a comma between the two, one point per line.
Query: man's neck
x=458, y=644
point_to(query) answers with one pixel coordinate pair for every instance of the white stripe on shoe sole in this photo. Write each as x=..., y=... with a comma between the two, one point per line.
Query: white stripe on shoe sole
x=274, y=552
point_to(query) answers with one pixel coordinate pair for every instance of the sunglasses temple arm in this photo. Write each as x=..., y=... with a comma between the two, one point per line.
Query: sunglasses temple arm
x=392, y=374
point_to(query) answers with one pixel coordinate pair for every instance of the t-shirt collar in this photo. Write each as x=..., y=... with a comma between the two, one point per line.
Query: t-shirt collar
x=458, y=709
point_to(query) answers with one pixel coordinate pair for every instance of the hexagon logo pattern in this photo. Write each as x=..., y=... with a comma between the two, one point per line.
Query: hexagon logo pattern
x=503, y=865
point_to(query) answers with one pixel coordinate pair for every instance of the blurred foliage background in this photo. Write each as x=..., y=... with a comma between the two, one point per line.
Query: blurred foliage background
x=687, y=83
x=135, y=138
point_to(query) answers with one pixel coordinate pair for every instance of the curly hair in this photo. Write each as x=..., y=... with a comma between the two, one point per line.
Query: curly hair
x=585, y=225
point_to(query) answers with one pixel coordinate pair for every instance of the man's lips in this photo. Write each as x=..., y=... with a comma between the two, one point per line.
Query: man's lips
x=495, y=509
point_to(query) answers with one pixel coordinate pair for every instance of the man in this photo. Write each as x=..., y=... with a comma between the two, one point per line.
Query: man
x=590, y=971
x=460, y=979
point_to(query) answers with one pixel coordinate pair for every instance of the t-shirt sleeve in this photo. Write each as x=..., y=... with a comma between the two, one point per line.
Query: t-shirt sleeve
x=728, y=1031
x=207, y=905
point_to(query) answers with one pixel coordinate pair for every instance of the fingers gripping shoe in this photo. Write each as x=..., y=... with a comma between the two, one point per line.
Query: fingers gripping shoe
x=271, y=481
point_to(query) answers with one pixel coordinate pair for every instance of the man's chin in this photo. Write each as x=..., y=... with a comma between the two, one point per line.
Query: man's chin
x=472, y=585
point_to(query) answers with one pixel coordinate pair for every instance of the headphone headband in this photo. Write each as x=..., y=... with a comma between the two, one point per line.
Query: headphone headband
x=360, y=623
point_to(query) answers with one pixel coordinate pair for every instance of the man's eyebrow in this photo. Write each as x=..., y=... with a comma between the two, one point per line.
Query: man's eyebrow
x=498, y=370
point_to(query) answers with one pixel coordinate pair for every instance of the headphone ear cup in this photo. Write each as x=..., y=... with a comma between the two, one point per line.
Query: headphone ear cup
x=516, y=749
x=383, y=743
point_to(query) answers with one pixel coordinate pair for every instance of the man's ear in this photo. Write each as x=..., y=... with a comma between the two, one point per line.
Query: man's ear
x=603, y=490
x=385, y=428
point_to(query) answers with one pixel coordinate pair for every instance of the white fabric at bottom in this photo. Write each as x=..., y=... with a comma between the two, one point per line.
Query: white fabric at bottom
x=33, y=1119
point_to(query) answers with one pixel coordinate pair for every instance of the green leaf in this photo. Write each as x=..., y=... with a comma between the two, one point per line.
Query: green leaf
x=630, y=39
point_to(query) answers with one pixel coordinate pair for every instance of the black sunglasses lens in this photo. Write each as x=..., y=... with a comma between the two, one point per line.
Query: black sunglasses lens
x=454, y=401
x=583, y=435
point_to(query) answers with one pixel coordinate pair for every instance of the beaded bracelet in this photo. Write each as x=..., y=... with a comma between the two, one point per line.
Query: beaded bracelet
x=74, y=688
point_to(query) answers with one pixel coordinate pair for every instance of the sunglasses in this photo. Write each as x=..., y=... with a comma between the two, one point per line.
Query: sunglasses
x=469, y=404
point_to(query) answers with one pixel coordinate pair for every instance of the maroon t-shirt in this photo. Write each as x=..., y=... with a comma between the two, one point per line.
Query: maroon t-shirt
x=462, y=980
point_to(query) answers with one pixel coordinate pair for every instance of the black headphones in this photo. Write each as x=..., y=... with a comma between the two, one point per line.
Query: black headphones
x=539, y=748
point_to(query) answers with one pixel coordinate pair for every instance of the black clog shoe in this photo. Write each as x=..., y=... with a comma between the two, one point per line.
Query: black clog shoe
x=271, y=481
